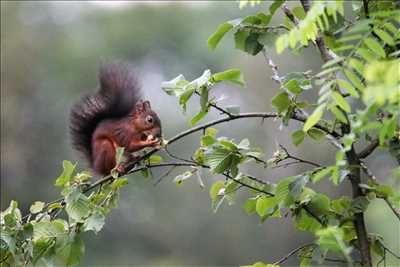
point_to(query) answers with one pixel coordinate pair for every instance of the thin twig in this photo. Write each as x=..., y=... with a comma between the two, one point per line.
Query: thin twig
x=299, y=160
x=293, y=252
x=395, y=211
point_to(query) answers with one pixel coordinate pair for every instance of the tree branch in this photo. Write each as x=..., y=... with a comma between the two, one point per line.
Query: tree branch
x=369, y=149
x=293, y=252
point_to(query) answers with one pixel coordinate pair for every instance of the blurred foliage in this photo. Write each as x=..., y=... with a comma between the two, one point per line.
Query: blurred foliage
x=58, y=46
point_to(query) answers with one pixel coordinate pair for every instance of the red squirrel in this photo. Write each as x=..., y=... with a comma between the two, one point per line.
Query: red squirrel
x=113, y=117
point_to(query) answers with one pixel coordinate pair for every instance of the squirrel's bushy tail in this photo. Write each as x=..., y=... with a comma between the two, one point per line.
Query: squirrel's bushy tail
x=118, y=93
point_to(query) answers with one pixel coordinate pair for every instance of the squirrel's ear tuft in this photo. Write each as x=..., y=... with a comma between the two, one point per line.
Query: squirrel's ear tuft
x=140, y=107
x=146, y=105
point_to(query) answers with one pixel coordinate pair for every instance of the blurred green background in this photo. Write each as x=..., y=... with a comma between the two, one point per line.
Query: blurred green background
x=50, y=53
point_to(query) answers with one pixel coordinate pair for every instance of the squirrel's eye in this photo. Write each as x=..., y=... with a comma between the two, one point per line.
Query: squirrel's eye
x=149, y=119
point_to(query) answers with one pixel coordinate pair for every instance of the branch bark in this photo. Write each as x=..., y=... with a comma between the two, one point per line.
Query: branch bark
x=368, y=149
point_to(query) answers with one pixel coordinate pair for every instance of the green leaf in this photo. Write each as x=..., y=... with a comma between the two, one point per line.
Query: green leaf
x=340, y=101
x=94, y=223
x=36, y=207
x=293, y=86
x=282, y=190
x=248, y=42
x=154, y=159
x=316, y=134
x=296, y=186
x=211, y=132
x=319, y=203
x=348, y=87
x=265, y=205
x=207, y=140
x=77, y=206
x=331, y=239
x=178, y=180
x=338, y=114
x=71, y=253
x=47, y=229
x=232, y=75
x=250, y=205
x=198, y=117
x=204, y=99
x=316, y=177
x=375, y=46
x=354, y=79
x=268, y=39
x=384, y=36
x=118, y=183
x=281, y=43
x=185, y=96
x=40, y=248
x=305, y=222
x=66, y=175
x=357, y=64
x=216, y=189
x=314, y=118
x=275, y=5
x=216, y=37
x=219, y=160
x=298, y=137
x=175, y=86
x=244, y=144
x=281, y=102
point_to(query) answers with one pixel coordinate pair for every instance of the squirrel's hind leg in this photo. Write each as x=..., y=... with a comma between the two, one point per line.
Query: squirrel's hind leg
x=103, y=156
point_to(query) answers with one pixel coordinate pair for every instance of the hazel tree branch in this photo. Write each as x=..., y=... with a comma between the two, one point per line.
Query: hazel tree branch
x=368, y=150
